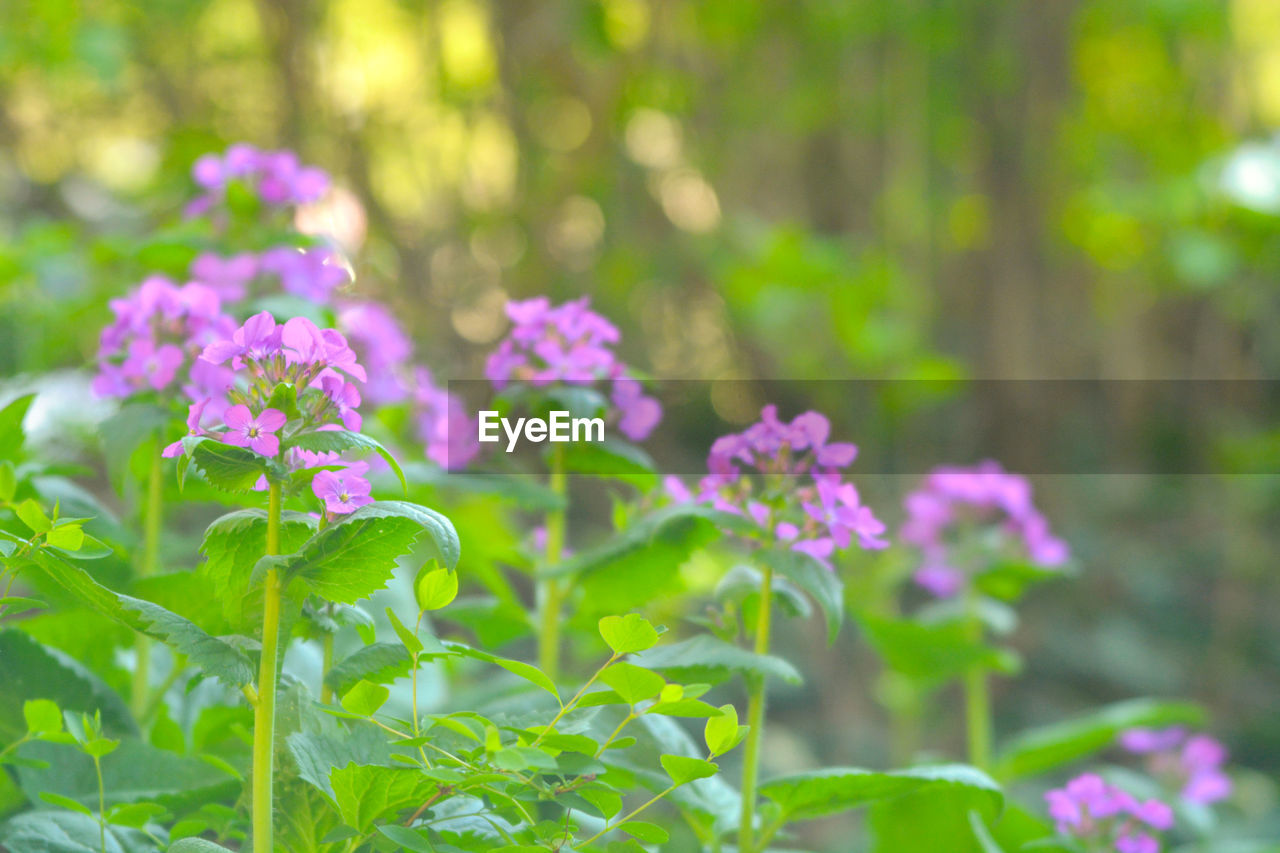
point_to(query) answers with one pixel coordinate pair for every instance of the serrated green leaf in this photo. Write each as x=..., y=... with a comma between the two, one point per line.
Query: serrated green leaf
x=354, y=557
x=339, y=440
x=68, y=832
x=225, y=466
x=817, y=580
x=366, y=794
x=216, y=657
x=526, y=671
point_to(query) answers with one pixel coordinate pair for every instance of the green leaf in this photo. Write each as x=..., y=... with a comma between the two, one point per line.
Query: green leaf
x=435, y=587
x=216, y=657
x=821, y=583
x=666, y=536
x=340, y=440
x=68, y=537
x=1008, y=580
x=628, y=634
x=818, y=793
x=8, y=481
x=634, y=684
x=937, y=816
x=365, y=698
x=366, y=794
x=722, y=732
x=33, y=516
x=931, y=654
x=526, y=671
x=354, y=557
x=196, y=845
x=234, y=543
x=15, y=604
x=43, y=716
x=683, y=769
x=316, y=755
x=64, y=802
x=406, y=838
x=1042, y=749
x=31, y=672
x=380, y=663
x=614, y=458
x=225, y=466
x=707, y=658
x=649, y=833
x=12, y=434
x=68, y=832
x=134, y=772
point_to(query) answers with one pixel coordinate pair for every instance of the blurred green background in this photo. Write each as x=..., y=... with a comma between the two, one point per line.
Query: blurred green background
x=753, y=189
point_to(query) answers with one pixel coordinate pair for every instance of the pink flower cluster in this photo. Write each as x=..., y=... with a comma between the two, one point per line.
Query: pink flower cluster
x=277, y=177
x=310, y=273
x=444, y=425
x=984, y=494
x=571, y=344
x=787, y=478
x=1090, y=809
x=1191, y=763
x=158, y=331
x=321, y=366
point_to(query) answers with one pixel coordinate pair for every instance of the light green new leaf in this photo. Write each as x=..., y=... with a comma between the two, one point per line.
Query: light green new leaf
x=633, y=683
x=628, y=634
x=365, y=698
x=435, y=587
x=683, y=769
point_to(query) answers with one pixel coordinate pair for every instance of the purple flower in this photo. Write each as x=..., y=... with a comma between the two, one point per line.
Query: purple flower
x=255, y=433
x=276, y=176
x=312, y=274
x=1190, y=764
x=983, y=495
x=1090, y=809
x=638, y=414
x=780, y=475
x=228, y=276
x=383, y=347
x=258, y=340
x=444, y=426
x=344, y=396
x=194, y=412
x=343, y=491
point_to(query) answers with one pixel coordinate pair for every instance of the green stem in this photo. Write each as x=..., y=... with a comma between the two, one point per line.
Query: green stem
x=264, y=713
x=630, y=815
x=151, y=518
x=326, y=664
x=755, y=718
x=551, y=591
x=977, y=698
x=102, y=804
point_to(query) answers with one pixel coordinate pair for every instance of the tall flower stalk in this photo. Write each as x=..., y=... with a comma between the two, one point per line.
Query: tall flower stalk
x=551, y=589
x=566, y=345
x=786, y=479
x=264, y=712
x=966, y=523
x=152, y=518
